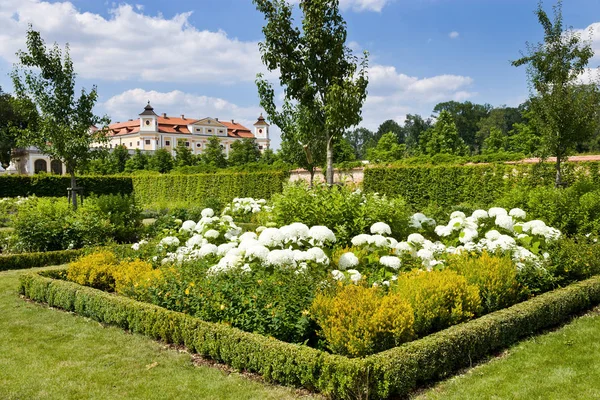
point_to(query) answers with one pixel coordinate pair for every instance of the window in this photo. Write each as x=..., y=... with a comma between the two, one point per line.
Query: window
x=130, y=144
x=187, y=144
x=138, y=143
x=198, y=144
x=260, y=147
x=209, y=130
x=222, y=147
x=198, y=130
x=167, y=142
x=147, y=141
x=220, y=130
x=147, y=122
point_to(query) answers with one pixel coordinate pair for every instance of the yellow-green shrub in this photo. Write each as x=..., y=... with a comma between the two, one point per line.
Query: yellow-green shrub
x=438, y=298
x=357, y=321
x=496, y=278
x=133, y=277
x=95, y=270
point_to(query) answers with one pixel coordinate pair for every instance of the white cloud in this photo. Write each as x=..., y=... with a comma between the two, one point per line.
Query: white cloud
x=392, y=95
x=130, y=44
x=592, y=34
x=453, y=35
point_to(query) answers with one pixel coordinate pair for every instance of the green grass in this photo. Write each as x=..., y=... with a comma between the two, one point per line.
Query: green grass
x=51, y=354
x=563, y=364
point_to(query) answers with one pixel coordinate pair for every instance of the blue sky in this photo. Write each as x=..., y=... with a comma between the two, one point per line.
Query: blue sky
x=199, y=58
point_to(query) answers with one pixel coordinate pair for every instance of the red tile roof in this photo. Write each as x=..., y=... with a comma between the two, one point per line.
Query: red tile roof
x=237, y=130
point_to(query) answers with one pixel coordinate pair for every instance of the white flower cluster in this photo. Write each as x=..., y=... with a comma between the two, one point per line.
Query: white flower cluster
x=15, y=200
x=246, y=205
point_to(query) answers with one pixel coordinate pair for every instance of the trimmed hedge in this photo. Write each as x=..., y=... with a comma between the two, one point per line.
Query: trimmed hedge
x=195, y=188
x=41, y=259
x=449, y=185
x=152, y=188
x=394, y=372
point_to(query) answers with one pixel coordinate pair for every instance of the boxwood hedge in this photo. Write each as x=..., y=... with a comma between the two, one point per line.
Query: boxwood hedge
x=395, y=372
x=41, y=259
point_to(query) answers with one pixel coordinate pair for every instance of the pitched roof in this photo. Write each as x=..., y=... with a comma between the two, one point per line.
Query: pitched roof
x=237, y=130
x=148, y=110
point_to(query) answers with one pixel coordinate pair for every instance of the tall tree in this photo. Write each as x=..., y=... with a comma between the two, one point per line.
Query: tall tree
x=138, y=162
x=183, y=155
x=359, y=139
x=317, y=69
x=390, y=126
x=565, y=111
x=213, y=154
x=120, y=155
x=46, y=77
x=466, y=117
x=443, y=137
x=388, y=149
x=161, y=161
x=244, y=151
x=414, y=126
x=15, y=115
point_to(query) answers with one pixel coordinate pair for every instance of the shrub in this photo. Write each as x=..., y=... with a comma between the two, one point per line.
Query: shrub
x=357, y=321
x=438, y=298
x=33, y=260
x=575, y=259
x=132, y=278
x=122, y=211
x=95, y=270
x=496, y=278
x=347, y=212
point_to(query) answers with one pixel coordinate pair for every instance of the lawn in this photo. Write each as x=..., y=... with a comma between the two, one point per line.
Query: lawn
x=50, y=354
x=563, y=364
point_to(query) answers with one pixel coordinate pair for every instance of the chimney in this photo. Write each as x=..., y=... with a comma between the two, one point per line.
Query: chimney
x=131, y=120
x=182, y=116
x=217, y=119
x=232, y=121
x=164, y=115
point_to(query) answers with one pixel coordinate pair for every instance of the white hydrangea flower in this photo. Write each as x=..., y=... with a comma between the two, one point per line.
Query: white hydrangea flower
x=321, y=235
x=169, y=241
x=381, y=228
x=458, y=214
x=392, y=262
x=338, y=275
x=257, y=252
x=443, y=230
x=495, y=211
x=392, y=243
x=281, y=258
x=361, y=240
x=211, y=234
x=224, y=248
x=317, y=255
x=404, y=247
x=456, y=224
x=246, y=268
x=355, y=276
x=195, y=241
x=246, y=244
x=135, y=246
x=492, y=235
x=425, y=254
x=208, y=249
x=505, y=221
x=348, y=260
x=479, y=214
x=379, y=241
x=468, y=235
x=248, y=236
x=271, y=237
x=188, y=226
x=294, y=232
x=207, y=213
x=415, y=238
x=517, y=213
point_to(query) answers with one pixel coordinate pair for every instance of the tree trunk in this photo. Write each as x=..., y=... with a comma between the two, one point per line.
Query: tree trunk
x=558, y=181
x=311, y=169
x=73, y=192
x=329, y=175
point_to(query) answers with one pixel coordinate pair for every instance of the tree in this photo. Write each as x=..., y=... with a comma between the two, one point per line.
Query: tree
x=343, y=151
x=443, y=137
x=466, y=117
x=317, y=69
x=387, y=150
x=243, y=152
x=161, y=161
x=120, y=156
x=183, y=155
x=268, y=157
x=414, y=126
x=389, y=126
x=564, y=111
x=213, y=154
x=360, y=139
x=499, y=122
x=15, y=116
x=138, y=162
x=46, y=77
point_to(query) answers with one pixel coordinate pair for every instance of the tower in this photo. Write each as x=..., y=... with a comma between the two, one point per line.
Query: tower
x=261, y=129
x=148, y=119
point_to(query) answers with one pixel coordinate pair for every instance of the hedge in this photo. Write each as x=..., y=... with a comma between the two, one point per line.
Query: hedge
x=449, y=185
x=152, y=188
x=394, y=372
x=195, y=188
x=41, y=259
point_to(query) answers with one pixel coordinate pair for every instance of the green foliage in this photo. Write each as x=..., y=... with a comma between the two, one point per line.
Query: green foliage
x=388, y=149
x=575, y=259
x=496, y=278
x=466, y=117
x=360, y=139
x=439, y=299
x=47, y=78
x=56, y=186
x=34, y=260
x=565, y=111
x=394, y=372
x=161, y=161
x=138, y=162
x=122, y=211
x=213, y=154
x=357, y=321
x=347, y=212
x=15, y=115
x=243, y=152
x=94, y=270
x=443, y=137
x=183, y=155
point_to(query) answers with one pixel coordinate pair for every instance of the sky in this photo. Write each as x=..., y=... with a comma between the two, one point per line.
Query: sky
x=200, y=57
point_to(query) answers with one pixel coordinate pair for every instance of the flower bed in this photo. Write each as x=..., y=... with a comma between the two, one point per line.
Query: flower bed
x=393, y=372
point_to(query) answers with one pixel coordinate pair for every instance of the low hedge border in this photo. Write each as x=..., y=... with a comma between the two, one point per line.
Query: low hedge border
x=396, y=371
x=41, y=259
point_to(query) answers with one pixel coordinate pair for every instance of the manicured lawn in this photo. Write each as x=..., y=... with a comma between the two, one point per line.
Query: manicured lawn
x=564, y=364
x=50, y=354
